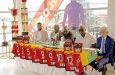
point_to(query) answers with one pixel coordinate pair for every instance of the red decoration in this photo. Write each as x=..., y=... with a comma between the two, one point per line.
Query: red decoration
x=59, y=59
x=15, y=48
x=28, y=53
x=68, y=46
x=78, y=64
x=14, y=31
x=43, y=59
x=50, y=57
x=23, y=0
x=19, y=39
x=78, y=47
x=17, y=54
x=15, y=27
x=22, y=52
x=35, y=55
x=69, y=61
x=14, y=12
x=26, y=39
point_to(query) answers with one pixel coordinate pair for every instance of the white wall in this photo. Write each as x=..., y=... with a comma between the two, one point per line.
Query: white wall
x=111, y=18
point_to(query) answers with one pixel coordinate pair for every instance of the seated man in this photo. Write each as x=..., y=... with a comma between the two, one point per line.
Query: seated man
x=105, y=44
x=67, y=35
x=83, y=37
x=55, y=35
x=40, y=35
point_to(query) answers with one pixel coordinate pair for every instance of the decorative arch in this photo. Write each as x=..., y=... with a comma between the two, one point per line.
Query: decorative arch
x=45, y=13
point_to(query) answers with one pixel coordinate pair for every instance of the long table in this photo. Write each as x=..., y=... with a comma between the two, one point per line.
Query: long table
x=51, y=61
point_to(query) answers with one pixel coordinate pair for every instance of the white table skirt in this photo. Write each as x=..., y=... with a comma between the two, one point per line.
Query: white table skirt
x=42, y=69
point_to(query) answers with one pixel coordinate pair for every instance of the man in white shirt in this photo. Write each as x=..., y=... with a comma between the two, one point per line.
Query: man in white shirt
x=83, y=37
x=56, y=34
x=40, y=35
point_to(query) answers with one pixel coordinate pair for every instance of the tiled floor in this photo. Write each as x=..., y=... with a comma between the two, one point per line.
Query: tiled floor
x=110, y=69
x=8, y=67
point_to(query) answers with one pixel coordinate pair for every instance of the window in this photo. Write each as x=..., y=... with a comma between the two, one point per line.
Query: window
x=5, y=13
x=95, y=12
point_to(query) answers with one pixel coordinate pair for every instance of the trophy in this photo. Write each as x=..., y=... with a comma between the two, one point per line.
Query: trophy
x=4, y=27
x=68, y=45
x=14, y=13
x=24, y=18
x=78, y=47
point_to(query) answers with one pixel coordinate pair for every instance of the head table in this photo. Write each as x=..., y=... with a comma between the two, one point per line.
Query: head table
x=51, y=60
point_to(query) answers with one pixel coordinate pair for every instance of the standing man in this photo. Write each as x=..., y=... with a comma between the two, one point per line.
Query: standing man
x=40, y=35
x=105, y=43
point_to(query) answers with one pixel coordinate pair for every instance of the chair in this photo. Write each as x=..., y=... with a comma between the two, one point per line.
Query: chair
x=113, y=57
x=111, y=60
